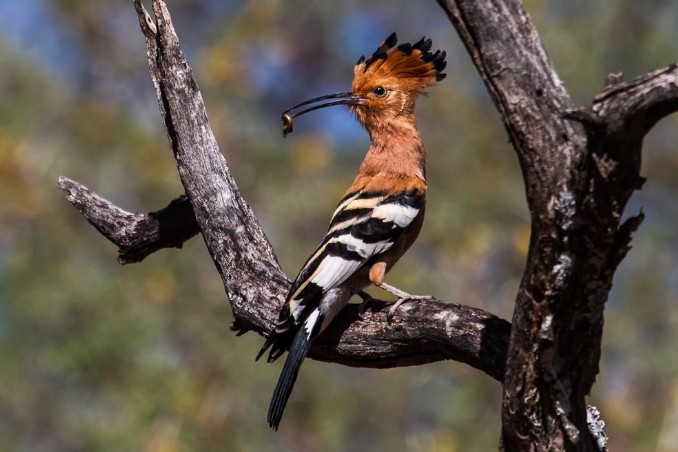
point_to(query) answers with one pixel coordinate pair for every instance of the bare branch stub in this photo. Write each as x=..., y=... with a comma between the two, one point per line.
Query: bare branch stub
x=137, y=235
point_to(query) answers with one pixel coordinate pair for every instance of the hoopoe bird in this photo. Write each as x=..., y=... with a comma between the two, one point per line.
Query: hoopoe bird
x=380, y=215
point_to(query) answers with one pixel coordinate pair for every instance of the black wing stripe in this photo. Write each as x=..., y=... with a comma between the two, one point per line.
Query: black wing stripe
x=412, y=198
x=311, y=290
x=349, y=195
x=342, y=250
x=359, y=199
x=372, y=194
x=349, y=214
x=373, y=230
x=368, y=229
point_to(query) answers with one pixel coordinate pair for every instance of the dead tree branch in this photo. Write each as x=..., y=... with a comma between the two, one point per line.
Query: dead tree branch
x=137, y=235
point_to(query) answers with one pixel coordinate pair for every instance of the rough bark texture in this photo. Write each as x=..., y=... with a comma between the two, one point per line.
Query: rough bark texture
x=580, y=167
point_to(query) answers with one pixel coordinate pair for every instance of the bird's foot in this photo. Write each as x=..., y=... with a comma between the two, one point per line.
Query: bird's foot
x=402, y=298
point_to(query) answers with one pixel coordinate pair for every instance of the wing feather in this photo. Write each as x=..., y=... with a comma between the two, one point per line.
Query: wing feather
x=365, y=224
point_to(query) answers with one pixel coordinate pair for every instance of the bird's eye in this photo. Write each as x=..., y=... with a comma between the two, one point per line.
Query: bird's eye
x=380, y=91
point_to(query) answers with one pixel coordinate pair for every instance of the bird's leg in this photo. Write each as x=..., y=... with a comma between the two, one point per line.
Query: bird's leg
x=402, y=298
x=376, y=275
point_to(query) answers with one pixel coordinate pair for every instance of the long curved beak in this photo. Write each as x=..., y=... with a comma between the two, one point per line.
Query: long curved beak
x=347, y=98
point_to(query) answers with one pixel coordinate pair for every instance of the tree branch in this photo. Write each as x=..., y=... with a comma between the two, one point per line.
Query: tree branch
x=651, y=96
x=137, y=235
x=236, y=243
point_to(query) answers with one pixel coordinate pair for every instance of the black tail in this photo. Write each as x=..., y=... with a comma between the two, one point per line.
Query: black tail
x=283, y=389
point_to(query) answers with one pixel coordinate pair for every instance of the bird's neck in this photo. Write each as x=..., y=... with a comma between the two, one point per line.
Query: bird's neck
x=395, y=149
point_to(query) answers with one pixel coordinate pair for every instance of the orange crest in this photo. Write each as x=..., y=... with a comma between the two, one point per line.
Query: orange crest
x=410, y=67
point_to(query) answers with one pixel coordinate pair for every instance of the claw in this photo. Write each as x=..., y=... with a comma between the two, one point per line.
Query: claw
x=402, y=298
x=394, y=307
x=392, y=310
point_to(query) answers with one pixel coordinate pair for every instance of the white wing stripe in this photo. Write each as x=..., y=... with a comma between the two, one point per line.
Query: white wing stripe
x=364, y=203
x=334, y=270
x=396, y=213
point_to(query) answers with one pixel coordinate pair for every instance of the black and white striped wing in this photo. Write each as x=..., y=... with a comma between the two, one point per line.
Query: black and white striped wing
x=364, y=225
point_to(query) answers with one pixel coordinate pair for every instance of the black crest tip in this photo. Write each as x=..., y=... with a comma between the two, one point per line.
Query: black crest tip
x=379, y=56
x=428, y=57
x=424, y=45
x=361, y=60
x=439, y=60
x=406, y=48
x=392, y=40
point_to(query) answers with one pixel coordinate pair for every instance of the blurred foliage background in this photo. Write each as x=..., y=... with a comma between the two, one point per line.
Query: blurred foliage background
x=96, y=356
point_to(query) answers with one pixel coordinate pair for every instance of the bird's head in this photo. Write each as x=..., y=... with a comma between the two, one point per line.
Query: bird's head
x=385, y=85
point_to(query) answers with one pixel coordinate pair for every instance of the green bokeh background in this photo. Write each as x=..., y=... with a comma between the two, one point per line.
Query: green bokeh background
x=98, y=356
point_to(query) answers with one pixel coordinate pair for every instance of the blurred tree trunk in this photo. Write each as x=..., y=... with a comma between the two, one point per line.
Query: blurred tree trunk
x=580, y=166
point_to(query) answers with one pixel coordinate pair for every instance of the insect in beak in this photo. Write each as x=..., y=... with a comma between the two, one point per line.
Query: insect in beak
x=347, y=98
